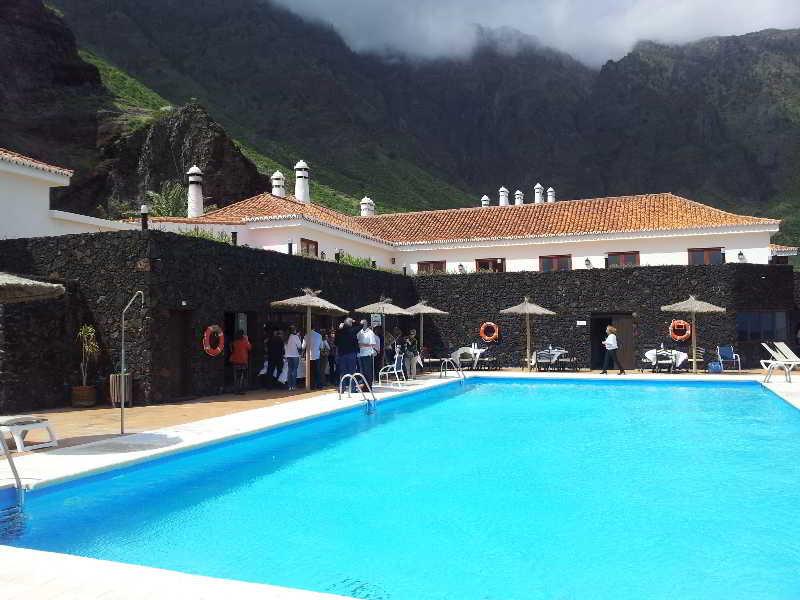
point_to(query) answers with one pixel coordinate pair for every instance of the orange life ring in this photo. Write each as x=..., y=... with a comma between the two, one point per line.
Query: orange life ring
x=679, y=330
x=492, y=334
x=210, y=349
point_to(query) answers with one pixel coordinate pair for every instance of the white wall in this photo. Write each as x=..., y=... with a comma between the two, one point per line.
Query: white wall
x=653, y=251
x=25, y=206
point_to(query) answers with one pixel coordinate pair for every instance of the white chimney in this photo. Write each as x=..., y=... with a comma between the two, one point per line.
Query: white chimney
x=519, y=197
x=301, y=191
x=485, y=200
x=367, y=207
x=551, y=195
x=503, y=196
x=538, y=196
x=278, y=185
x=194, y=199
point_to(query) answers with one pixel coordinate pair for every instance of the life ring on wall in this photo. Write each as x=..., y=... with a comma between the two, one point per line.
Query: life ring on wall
x=208, y=347
x=679, y=330
x=489, y=332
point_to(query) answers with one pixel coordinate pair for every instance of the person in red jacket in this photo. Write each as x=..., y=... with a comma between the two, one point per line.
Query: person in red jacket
x=240, y=359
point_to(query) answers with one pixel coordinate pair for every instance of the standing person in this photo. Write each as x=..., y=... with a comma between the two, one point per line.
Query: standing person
x=366, y=351
x=275, y=350
x=388, y=348
x=379, y=358
x=291, y=352
x=333, y=351
x=611, y=346
x=240, y=359
x=313, y=345
x=412, y=352
x=347, y=349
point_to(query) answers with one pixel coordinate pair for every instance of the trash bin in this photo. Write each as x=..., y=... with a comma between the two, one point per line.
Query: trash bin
x=116, y=389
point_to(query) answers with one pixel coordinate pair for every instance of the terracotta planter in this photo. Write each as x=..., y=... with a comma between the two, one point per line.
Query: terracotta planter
x=83, y=396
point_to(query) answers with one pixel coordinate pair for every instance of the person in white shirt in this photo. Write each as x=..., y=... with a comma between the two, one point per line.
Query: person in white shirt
x=611, y=346
x=292, y=355
x=312, y=345
x=367, y=344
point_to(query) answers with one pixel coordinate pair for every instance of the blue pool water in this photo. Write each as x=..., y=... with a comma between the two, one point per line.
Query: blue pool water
x=491, y=490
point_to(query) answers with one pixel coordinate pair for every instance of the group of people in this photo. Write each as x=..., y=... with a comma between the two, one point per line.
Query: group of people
x=349, y=349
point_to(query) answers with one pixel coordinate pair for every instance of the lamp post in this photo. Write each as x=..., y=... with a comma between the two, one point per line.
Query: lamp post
x=124, y=386
x=144, y=211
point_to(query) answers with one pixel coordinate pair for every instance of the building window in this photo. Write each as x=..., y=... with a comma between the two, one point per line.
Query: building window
x=492, y=265
x=706, y=256
x=757, y=326
x=622, y=259
x=309, y=247
x=432, y=266
x=561, y=262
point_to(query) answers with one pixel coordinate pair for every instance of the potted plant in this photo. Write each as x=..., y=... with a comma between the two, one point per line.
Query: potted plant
x=86, y=395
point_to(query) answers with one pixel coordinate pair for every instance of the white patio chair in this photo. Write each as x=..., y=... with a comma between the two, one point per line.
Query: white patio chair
x=19, y=426
x=396, y=370
x=778, y=361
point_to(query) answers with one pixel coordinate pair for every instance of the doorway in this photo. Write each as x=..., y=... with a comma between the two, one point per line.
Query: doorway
x=627, y=345
x=179, y=341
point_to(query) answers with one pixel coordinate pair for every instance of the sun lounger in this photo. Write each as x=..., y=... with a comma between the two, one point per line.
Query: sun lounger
x=784, y=349
x=19, y=426
x=778, y=361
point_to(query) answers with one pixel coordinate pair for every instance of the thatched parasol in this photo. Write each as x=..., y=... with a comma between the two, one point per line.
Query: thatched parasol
x=693, y=306
x=527, y=308
x=312, y=303
x=422, y=309
x=15, y=289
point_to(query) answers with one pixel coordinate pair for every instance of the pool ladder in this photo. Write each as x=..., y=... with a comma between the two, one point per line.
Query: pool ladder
x=14, y=472
x=359, y=381
x=449, y=362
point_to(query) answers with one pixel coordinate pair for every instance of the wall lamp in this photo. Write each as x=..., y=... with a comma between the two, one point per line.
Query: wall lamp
x=587, y=263
x=144, y=211
x=742, y=257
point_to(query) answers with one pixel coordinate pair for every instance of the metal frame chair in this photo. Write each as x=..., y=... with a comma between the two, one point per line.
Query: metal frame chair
x=731, y=357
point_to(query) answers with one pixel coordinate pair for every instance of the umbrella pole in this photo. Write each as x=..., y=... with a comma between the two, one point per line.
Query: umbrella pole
x=421, y=325
x=528, y=338
x=694, y=345
x=308, y=349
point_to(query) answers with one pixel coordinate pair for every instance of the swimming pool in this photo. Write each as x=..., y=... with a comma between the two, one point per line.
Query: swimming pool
x=497, y=489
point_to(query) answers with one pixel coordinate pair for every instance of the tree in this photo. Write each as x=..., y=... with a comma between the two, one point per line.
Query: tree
x=170, y=201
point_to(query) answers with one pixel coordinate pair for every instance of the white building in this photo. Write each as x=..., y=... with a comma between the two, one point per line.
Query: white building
x=545, y=235
x=25, y=201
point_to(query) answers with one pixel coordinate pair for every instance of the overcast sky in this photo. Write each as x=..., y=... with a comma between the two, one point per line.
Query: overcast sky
x=590, y=30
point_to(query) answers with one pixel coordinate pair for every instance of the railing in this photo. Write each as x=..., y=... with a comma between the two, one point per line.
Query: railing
x=358, y=380
x=443, y=368
x=14, y=472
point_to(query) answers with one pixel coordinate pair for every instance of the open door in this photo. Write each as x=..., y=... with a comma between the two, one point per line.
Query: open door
x=624, y=325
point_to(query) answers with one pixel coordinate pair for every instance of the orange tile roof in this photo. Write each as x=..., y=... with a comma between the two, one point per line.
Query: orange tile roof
x=783, y=250
x=266, y=207
x=649, y=212
x=27, y=161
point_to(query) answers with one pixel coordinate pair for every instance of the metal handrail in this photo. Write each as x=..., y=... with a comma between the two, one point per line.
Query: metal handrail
x=14, y=472
x=457, y=368
x=354, y=379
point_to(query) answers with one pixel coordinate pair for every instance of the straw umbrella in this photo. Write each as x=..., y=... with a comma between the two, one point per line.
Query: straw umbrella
x=422, y=309
x=311, y=301
x=693, y=306
x=527, y=308
x=383, y=307
x=18, y=289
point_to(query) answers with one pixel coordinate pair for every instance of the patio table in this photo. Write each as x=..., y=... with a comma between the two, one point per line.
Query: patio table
x=678, y=357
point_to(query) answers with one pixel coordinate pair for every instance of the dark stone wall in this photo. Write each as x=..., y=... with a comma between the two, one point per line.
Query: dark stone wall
x=202, y=278
x=33, y=355
x=101, y=271
x=199, y=281
x=576, y=295
x=209, y=279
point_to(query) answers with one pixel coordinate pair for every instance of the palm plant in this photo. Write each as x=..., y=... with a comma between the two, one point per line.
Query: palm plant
x=87, y=338
x=169, y=201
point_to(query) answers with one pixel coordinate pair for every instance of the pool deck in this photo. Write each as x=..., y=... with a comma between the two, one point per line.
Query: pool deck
x=166, y=429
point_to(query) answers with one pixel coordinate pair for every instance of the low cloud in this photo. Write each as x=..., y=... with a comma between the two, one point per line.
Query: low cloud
x=592, y=31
